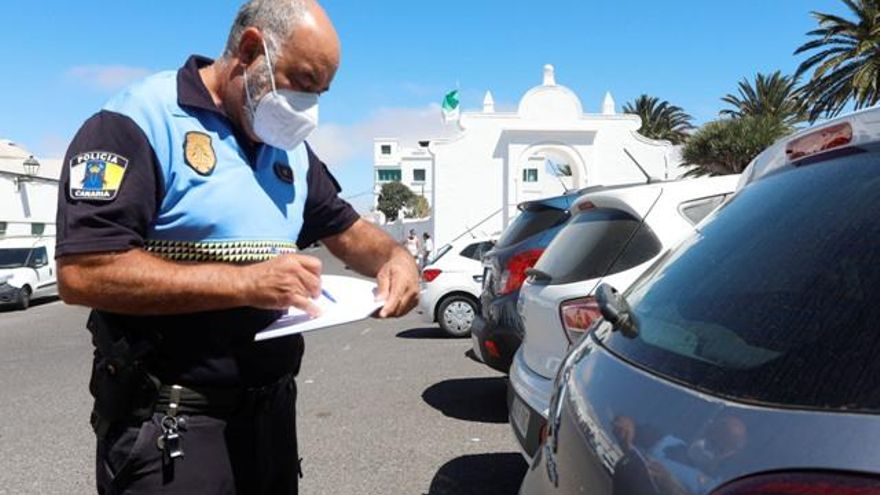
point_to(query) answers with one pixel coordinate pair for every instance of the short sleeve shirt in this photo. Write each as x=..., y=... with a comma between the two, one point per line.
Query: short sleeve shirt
x=119, y=192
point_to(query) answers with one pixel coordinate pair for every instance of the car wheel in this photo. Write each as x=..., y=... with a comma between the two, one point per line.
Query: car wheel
x=456, y=316
x=24, y=298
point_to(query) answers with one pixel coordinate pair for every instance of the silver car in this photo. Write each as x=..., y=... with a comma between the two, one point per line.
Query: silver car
x=746, y=361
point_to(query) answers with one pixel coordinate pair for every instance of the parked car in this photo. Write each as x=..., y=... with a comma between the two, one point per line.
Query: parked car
x=497, y=331
x=27, y=270
x=613, y=236
x=745, y=360
x=451, y=285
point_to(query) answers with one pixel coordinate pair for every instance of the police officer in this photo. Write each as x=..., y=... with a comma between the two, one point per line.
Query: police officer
x=182, y=205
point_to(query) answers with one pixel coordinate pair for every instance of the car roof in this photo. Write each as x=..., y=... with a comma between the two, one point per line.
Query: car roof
x=466, y=241
x=865, y=126
x=564, y=201
x=638, y=198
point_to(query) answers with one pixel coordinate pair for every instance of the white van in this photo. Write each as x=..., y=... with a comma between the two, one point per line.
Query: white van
x=27, y=270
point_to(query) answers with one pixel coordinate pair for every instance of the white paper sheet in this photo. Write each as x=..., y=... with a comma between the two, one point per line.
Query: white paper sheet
x=355, y=299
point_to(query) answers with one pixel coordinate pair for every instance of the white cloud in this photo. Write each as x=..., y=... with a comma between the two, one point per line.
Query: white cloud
x=338, y=145
x=106, y=77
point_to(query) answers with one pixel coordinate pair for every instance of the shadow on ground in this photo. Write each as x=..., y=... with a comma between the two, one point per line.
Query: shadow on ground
x=482, y=400
x=427, y=333
x=10, y=308
x=483, y=474
x=470, y=354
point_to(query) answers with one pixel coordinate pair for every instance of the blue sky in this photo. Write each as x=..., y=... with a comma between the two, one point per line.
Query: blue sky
x=64, y=59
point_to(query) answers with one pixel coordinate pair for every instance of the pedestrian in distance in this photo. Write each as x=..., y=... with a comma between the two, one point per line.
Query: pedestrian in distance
x=412, y=244
x=183, y=203
x=427, y=248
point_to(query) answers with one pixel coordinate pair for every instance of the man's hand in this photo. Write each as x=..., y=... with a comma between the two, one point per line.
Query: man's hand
x=398, y=281
x=288, y=280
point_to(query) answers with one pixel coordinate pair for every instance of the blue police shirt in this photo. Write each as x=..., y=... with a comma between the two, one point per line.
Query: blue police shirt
x=162, y=168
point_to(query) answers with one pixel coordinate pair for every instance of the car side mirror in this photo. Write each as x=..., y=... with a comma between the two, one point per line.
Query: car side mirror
x=616, y=310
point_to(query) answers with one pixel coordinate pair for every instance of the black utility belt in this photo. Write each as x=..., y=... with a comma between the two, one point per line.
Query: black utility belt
x=202, y=401
x=197, y=400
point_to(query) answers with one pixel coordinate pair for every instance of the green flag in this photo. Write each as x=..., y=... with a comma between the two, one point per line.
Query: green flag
x=451, y=108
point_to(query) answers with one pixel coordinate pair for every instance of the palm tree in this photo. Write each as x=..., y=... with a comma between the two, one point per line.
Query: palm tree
x=772, y=96
x=845, y=60
x=726, y=146
x=660, y=119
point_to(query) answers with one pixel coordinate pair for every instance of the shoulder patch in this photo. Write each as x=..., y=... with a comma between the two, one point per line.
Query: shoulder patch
x=198, y=149
x=96, y=175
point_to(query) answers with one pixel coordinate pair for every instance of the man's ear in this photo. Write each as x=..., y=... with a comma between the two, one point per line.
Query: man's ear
x=250, y=46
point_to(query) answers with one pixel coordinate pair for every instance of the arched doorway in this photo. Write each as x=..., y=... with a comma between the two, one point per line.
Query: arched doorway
x=548, y=169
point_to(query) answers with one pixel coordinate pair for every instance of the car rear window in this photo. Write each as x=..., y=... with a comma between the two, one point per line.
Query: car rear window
x=777, y=299
x=476, y=250
x=441, y=253
x=695, y=211
x=596, y=243
x=530, y=222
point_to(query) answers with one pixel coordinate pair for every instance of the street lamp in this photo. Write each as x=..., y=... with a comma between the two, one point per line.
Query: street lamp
x=31, y=167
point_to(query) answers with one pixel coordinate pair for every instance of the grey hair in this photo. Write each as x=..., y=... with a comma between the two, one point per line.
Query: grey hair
x=276, y=19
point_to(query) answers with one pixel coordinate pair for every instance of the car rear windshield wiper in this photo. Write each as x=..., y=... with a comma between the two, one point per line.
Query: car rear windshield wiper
x=539, y=276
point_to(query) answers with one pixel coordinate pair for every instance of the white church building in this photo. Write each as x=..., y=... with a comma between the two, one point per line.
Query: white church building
x=493, y=161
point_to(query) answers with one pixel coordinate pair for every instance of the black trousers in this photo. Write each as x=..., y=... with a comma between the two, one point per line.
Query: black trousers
x=251, y=450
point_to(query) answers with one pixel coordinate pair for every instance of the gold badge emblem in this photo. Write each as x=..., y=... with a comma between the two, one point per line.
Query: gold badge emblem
x=199, y=152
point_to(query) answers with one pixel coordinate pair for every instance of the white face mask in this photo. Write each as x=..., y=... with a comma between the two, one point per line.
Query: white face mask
x=282, y=118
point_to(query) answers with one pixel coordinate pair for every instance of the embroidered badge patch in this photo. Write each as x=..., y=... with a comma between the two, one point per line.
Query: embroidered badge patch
x=284, y=172
x=199, y=152
x=96, y=175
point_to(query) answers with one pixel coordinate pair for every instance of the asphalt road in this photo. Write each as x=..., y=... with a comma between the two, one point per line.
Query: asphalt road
x=385, y=407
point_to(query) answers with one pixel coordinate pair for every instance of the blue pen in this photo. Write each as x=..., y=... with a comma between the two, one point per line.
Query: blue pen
x=328, y=296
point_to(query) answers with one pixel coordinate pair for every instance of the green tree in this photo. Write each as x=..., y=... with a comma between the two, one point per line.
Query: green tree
x=773, y=95
x=726, y=146
x=393, y=198
x=417, y=207
x=660, y=119
x=845, y=60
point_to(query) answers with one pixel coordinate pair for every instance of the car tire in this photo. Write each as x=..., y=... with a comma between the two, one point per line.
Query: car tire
x=24, y=298
x=456, y=315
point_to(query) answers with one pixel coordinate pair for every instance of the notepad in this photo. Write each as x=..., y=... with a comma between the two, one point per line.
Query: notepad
x=353, y=299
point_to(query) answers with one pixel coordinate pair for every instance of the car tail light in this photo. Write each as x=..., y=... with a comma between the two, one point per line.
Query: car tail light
x=578, y=315
x=515, y=273
x=803, y=483
x=585, y=205
x=492, y=349
x=825, y=139
x=430, y=274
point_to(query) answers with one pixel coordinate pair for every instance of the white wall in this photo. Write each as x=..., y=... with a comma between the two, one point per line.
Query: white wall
x=34, y=202
x=399, y=229
x=468, y=184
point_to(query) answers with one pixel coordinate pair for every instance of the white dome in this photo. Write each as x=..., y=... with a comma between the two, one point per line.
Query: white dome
x=550, y=101
x=9, y=149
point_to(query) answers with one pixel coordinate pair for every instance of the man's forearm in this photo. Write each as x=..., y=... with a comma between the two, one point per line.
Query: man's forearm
x=364, y=247
x=138, y=283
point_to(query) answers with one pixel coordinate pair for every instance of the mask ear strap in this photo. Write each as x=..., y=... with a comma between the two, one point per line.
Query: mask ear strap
x=269, y=63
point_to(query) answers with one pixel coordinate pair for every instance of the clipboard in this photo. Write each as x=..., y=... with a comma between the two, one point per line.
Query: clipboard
x=350, y=299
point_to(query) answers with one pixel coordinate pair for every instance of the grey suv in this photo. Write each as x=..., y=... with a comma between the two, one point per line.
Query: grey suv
x=746, y=361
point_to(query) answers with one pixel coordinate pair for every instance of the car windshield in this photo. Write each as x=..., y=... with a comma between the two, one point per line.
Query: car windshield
x=776, y=300
x=530, y=222
x=14, y=258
